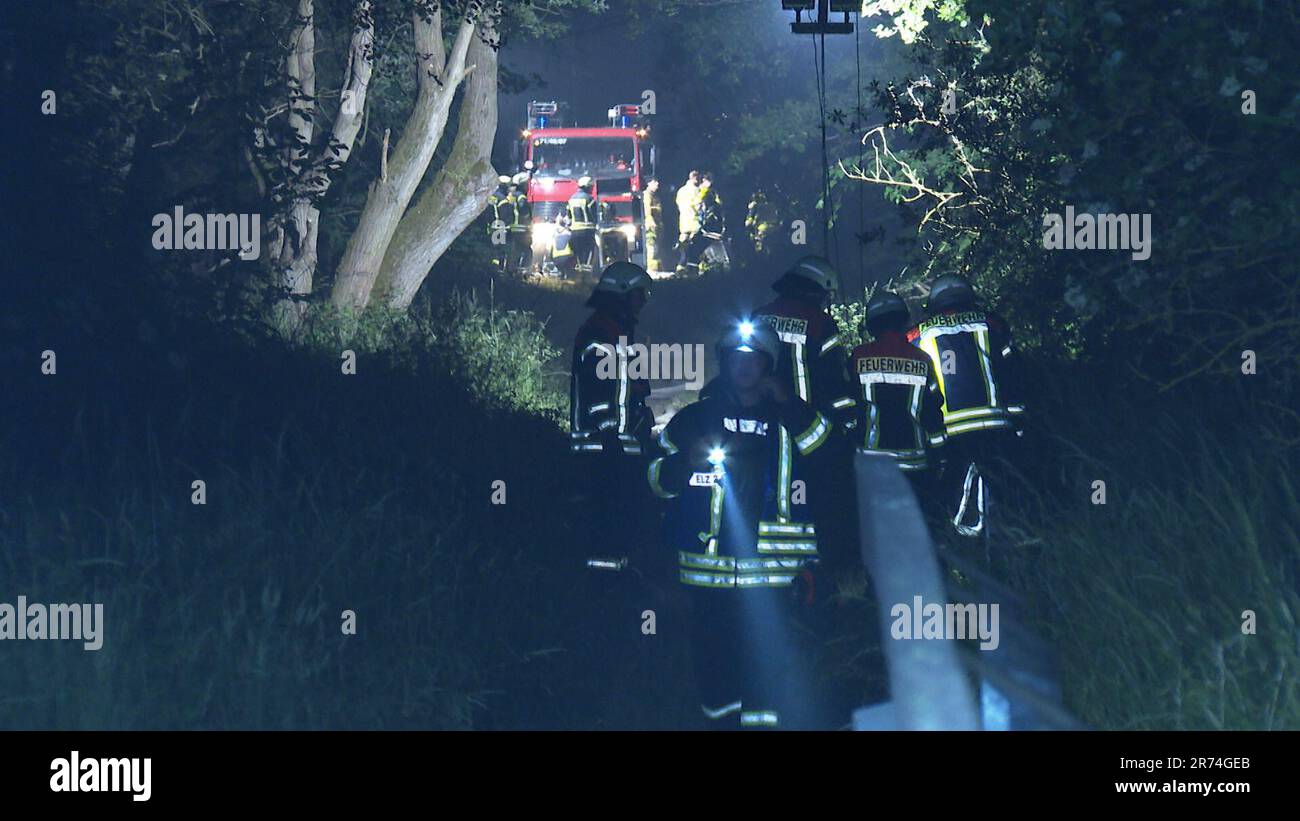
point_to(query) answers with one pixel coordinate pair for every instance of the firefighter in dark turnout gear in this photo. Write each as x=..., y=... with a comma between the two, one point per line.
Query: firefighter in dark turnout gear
x=607, y=409
x=814, y=364
x=610, y=424
x=521, y=212
x=899, y=389
x=975, y=361
x=617, y=573
x=562, y=256
x=501, y=216
x=724, y=469
x=712, y=224
x=583, y=218
x=812, y=357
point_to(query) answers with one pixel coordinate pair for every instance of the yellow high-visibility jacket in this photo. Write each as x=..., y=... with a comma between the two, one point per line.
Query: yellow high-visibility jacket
x=688, y=200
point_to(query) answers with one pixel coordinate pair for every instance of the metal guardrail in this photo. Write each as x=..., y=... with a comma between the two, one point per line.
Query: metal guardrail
x=939, y=684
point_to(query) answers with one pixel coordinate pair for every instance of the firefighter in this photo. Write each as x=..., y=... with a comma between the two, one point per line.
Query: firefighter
x=562, y=248
x=609, y=422
x=582, y=222
x=708, y=211
x=614, y=244
x=653, y=210
x=814, y=364
x=977, y=367
x=688, y=197
x=499, y=226
x=760, y=222
x=813, y=360
x=521, y=241
x=900, y=391
x=738, y=558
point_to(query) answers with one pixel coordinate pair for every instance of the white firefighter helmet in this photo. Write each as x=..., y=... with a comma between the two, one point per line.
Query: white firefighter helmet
x=584, y=181
x=817, y=270
x=520, y=178
x=750, y=335
x=503, y=179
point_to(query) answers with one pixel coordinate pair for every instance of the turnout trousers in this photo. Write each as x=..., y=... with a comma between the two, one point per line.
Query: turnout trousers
x=751, y=664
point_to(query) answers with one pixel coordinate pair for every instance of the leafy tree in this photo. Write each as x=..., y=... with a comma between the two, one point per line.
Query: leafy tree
x=326, y=116
x=1131, y=108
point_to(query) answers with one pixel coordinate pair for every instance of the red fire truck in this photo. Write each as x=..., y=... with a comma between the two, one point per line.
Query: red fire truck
x=619, y=159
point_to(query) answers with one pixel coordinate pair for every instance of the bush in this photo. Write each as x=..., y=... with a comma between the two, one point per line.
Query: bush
x=502, y=357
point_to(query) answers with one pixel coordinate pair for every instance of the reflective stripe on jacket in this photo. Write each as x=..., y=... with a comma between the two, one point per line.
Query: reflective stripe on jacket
x=605, y=404
x=812, y=359
x=582, y=211
x=975, y=362
x=726, y=523
x=899, y=387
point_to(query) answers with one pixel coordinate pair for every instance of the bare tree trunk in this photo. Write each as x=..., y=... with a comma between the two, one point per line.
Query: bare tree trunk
x=391, y=193
x=294, y=232
x=457, y=195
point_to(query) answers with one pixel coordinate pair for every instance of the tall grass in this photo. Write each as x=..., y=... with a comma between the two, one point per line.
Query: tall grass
x=1145, y=596
x=369, y=492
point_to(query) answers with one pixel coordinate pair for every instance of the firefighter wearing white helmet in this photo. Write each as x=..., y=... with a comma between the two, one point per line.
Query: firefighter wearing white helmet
x=583, y=217
x=609, y=422
x=736, y=556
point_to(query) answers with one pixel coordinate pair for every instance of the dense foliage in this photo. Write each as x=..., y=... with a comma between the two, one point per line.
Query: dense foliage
x=1186, y=112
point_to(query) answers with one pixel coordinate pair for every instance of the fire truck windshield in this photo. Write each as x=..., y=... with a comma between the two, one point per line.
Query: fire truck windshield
x=573, y=157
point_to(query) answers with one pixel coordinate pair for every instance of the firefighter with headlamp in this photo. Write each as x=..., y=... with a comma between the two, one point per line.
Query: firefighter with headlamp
x=723, y=466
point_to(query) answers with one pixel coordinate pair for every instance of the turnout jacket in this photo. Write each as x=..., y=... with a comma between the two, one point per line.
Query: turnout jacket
x=582, y=211
x=520, y=212
x=902, y=399
x=688, y=198
x=973, y=357
x=728, y=524
x=501, y=211
x=812, y=358
x=606, y=408
x=653, y=210
x=709, y=212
